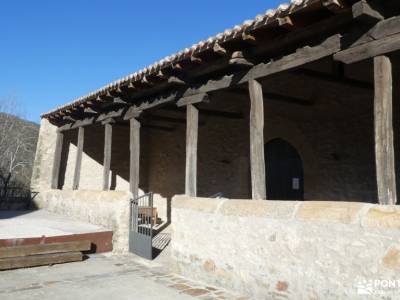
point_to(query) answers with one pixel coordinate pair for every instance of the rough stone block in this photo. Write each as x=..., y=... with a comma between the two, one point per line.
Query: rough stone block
x=206, y=205
x=342, y=212
x=383, y=217
x=252, y=208
x=392, y=258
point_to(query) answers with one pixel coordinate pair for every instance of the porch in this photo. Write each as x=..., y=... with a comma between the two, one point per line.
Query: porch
x=298, y=115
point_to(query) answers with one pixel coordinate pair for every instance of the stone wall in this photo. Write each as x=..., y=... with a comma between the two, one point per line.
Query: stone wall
x=43, y=165
x=107, y=209
x=286, y=250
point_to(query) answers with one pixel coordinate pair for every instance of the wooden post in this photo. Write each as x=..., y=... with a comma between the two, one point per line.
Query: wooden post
x=192, y=124
x=134, y=156
x=78, y=162
x=383, y=115
x=107, y=153
x=57, y=161
x=257, y=141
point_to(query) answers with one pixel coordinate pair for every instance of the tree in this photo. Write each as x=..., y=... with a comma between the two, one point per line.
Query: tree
x=17, y=146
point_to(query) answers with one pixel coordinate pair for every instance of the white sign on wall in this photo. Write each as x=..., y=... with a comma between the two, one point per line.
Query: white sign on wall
x=295, y=183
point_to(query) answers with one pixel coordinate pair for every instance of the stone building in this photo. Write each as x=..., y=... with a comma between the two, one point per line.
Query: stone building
x=295, y=110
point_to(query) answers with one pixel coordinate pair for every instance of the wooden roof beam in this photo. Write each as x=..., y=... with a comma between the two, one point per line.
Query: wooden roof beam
x=362, y=11
x=249, y=39
x=202, y=97
x=298, y=58
x=83, y=122
x=69, y=118
x=132, y=112
x=301, y=57
x=383, y=38
x=146, y=81
x=285, y=23
x=335, y=6
x=218, y=49
x=90, y=110
x=195, y=59
x=110, y=115
x=238, y=59
x=119, y=100
x=130, y=87
x=177, y=67
x=162, y=75
x=176, y=81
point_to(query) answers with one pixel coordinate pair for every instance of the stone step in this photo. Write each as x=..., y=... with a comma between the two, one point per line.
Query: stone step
x=39, y=260
x=20, y=251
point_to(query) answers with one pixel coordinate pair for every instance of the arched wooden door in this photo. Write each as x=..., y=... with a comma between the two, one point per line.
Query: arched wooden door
x=284, y=171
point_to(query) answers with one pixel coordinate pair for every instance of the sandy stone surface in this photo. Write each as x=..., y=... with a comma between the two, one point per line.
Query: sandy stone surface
x=288, y=250
x=105, y=277
x=30, y=224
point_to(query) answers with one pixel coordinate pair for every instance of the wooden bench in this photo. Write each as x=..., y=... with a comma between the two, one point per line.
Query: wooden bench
x=149, y=212
x=42, y=254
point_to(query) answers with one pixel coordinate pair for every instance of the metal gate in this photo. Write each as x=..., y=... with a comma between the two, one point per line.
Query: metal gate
x=141, y=226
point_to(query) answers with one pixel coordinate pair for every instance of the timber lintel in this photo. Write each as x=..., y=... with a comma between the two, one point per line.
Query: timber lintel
x=198, y=98
x=64, y=127
x=131, y=113
x=112, y=114
x=382, y=38
x=362, y=11
x=108, y=121
x=82, y=123
x=368, y=50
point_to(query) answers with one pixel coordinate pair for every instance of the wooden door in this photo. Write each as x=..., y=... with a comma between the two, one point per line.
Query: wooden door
x=284, y=170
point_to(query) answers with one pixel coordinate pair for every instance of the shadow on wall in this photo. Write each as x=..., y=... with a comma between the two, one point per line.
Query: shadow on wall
x=93, y=158
x=162, y=162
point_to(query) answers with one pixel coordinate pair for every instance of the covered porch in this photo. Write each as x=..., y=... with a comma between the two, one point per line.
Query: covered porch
x=272, y=148
x=316, y=129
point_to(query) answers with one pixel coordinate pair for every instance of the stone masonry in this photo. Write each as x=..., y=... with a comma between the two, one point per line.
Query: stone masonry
x=287, y=250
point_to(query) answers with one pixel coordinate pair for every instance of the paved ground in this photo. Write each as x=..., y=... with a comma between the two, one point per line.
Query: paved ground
x=104, y=277
x=24, y=224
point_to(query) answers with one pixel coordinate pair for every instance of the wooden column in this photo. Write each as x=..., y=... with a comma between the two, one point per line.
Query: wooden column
x=134, y=147
x=383, y=115
x=107, y=153
x=192, y=124
x=257, y=141
x=57, y=161
x=78, y=162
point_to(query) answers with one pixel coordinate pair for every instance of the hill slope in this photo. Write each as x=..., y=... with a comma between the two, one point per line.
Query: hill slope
x=18, y=140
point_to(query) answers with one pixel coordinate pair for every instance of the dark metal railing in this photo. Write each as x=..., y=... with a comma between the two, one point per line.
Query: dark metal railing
x=14, y=192
x=14, y=197
x=143, y=218
x=143, y=214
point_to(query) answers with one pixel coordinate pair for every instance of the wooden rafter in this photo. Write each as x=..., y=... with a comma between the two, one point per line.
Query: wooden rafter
x=363, y=11
x=193, y=93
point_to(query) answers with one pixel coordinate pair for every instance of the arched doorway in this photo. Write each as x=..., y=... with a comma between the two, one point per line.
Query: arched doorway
x=284, y=171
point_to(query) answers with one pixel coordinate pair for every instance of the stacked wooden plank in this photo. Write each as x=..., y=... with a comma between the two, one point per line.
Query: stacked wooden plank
x=42, y=254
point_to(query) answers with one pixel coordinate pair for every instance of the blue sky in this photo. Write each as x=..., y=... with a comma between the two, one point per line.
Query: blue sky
x=55, y=51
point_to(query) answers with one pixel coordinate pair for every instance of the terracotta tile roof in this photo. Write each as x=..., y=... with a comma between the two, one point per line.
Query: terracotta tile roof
x=261, y=20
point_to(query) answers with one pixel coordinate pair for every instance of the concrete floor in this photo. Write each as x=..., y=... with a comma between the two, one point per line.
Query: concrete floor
x=24, y=224
x=104, y=277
